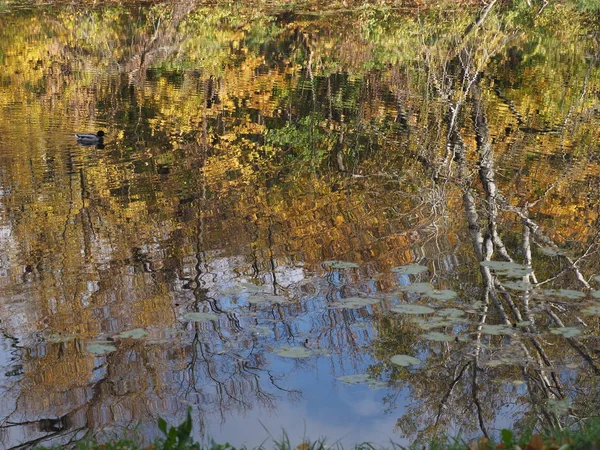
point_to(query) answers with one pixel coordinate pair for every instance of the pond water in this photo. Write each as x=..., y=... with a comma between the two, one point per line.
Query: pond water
x=372, y=224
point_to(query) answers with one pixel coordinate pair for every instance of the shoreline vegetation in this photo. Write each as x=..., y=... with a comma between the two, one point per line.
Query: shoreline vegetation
x=585, y=436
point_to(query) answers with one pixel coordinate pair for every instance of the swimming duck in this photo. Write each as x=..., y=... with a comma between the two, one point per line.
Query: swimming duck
x=89, y=138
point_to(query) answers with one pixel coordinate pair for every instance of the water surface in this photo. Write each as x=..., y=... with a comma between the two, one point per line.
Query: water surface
x=286, y=206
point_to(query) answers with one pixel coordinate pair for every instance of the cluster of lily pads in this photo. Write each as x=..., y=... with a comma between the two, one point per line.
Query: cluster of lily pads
x=427, y=317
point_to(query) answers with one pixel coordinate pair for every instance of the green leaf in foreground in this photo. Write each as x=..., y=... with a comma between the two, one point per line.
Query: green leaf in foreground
x=405, y=360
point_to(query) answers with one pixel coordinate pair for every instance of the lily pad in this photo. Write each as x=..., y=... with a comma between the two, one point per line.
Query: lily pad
x=551, y=251
x=444, y=294
x=450, y=312
x=497, y=329
x=56, y=338
x=293, y=352
x=336, y=264
x=362, y=378
x=431, y=323
x=355, y=379
x=509, y=269
x=566, y=331
x=100, y=348
x=200, y=316
x=136, y=333
x=251, y=287
x=559, y=406
x=503, y=362
x=597, y=278
x=412, y=309
x=419, y=288
x=411, y=269
x=405, y=360
x=518, y=285
x=596, y=294
x=265, y=299
x=355, y=302
x=565, y=293
x=592, y=310
x=261, y=330
x=437, y=336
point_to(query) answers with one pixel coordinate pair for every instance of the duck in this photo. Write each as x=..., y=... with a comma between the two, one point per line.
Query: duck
x=89, y=138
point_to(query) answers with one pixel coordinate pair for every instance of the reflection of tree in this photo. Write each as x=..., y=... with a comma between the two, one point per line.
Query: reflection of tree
x=465, y=378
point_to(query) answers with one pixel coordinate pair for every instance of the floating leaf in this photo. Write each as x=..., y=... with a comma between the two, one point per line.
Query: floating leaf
x=419, y=288
x=518, y=285
x=559, y=406
x=430, y=323
x=362, y=378
x=355, y=302
x=412, y=309
x=56, y=338
x=335, y=264
x=509, y=269
x=200, y=316
x=100, y=348
x=263, y=299
x=593, y=310
x=136, y=333
x=293, y=352
x=596, y=294
x=497, y=329
x=503, y=362
x=355, y=379
x=450, y=312
x=565, y=293
x=251, y=287
x=597, y=278
x=411, y=269
x=444, y=294
x=405, y=360
x=436, y=336
x=551, y=251
x=261, y=330
x=566, y=331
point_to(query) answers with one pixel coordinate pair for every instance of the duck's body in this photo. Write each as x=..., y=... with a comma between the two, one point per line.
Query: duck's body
x=89, y=138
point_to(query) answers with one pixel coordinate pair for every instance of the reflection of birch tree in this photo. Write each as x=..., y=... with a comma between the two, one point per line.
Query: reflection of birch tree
x=458, y=382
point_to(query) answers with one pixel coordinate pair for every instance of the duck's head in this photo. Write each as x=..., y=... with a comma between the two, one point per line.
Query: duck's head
x=100, y=134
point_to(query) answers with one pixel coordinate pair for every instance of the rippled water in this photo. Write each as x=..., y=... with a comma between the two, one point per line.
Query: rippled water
x=283, y=204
